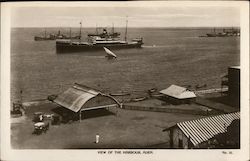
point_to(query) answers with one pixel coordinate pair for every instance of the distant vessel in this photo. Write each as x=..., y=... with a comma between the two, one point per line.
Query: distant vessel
x=54, y=37
x=45, y=37
x=225, y=33
x=229, y=32
x=98, y=42
x=212, y=34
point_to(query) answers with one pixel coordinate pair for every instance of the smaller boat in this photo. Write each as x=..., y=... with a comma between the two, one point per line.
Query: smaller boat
x=119, y=94
x=152, y=90
x=157, y=95
x=110, y=54
x=200, y=86
x=138, y=99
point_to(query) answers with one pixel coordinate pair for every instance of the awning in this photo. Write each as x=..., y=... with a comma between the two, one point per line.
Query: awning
x=75, y=97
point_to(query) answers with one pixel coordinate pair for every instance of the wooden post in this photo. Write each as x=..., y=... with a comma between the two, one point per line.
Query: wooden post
x=80, y=117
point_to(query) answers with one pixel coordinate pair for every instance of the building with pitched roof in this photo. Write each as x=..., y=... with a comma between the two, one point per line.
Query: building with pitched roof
x=80, y=98
x=177, y=95
x=204, y=132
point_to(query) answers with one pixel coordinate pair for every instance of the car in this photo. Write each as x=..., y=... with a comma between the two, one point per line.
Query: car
x=41, y=127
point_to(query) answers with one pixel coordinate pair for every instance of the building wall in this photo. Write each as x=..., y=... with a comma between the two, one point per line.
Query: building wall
x=234, y=85
x=179, y=139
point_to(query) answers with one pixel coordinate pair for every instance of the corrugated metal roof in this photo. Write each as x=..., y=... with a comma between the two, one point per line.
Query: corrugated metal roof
x=204, y=129
x=75, y=97
x=178, y=92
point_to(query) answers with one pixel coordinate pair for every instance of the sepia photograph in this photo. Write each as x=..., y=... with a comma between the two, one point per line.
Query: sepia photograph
x=126, y=79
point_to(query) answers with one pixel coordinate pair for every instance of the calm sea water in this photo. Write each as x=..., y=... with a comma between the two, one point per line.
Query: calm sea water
x=169, y=56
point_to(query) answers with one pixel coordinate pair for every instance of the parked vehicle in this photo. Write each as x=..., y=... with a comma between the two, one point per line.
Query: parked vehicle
x=41, y=127
x=16, y=112
x=38, y=117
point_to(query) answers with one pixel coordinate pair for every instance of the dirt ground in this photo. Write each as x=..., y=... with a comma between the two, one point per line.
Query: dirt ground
x=127, y=129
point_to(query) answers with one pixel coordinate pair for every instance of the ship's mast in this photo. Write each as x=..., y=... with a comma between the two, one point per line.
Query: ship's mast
x=80, y=30
x=126, y=30
x=113, y=29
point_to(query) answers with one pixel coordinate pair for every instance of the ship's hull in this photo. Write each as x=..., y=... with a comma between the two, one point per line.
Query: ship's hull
x=211, y=35
x=68, y=47
x=37, y=38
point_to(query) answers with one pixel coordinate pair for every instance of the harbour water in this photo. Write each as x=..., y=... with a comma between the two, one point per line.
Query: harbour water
x=169, y=56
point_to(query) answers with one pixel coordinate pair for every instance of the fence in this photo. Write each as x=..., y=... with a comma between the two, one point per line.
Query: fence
x=168, y=110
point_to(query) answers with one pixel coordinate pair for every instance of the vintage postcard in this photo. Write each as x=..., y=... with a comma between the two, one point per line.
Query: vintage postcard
x=137, y=80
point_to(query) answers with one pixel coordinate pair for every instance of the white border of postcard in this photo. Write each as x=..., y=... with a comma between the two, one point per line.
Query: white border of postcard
x=162, y=154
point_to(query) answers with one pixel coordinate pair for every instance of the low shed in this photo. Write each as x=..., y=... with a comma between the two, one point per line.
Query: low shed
x=177, y=95
x=201, y=133
x=81, y=98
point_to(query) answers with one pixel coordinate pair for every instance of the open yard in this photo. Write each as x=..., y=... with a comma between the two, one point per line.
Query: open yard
x=127, y=129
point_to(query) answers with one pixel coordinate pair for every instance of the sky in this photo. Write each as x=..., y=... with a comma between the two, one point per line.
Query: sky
x=159, y=16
